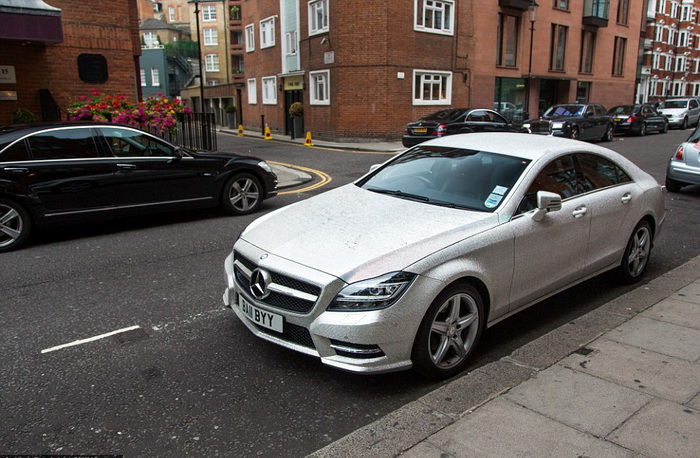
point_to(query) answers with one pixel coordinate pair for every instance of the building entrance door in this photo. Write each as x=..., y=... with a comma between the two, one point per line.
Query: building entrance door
x=289, y=98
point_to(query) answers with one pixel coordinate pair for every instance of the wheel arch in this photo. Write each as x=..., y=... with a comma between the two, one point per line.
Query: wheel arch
x=481, y=288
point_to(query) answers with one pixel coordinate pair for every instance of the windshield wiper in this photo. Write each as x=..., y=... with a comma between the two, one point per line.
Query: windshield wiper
x=398, y=193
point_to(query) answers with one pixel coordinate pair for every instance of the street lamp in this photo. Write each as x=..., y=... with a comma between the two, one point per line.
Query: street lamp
x=532, y=10
x=199, y=48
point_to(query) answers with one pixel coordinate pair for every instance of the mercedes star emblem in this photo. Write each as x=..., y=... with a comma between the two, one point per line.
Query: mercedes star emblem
x=259, y=281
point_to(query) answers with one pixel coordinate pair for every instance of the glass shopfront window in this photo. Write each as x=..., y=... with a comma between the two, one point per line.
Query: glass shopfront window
x=509, y=98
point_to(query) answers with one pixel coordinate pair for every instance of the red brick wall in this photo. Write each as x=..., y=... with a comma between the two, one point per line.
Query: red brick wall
x=110, y=30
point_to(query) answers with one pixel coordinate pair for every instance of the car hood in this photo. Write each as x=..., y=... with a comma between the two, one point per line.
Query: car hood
x=355, y=234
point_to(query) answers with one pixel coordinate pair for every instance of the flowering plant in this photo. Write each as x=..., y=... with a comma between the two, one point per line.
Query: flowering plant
x=156, y=113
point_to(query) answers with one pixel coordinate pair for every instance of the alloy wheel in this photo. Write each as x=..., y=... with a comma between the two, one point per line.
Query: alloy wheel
x=639, y=251
x=244, y=194
x=453, y=331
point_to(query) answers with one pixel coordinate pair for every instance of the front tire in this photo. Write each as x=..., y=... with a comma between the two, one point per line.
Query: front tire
x=450, y=330
x=15, y=225
x=242, y=194
x=684, y=125
x=609, y=133
x=574, y=133
x=637, y=253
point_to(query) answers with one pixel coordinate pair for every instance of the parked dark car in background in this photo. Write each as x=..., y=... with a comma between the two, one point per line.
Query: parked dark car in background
x=684, y=166
x=638, y=119
x=66, y=172
x=580, y=121
x=456, y=121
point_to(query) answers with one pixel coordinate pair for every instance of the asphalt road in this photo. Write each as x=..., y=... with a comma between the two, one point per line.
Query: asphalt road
x=190, y=380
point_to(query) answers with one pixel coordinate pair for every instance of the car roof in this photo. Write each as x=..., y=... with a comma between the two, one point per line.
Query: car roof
x=10, y=133
x=525, y=146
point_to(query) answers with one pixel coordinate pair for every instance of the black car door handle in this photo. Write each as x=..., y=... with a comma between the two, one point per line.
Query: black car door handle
x=126, y=166
x=15, y=169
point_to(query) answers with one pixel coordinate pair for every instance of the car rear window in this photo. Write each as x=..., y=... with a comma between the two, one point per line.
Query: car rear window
x=16, y=152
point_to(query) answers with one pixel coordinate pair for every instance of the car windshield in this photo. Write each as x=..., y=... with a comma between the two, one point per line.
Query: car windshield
x=443, y=115
x=624, y=109
x=565, y=110
x=673, y=104
x=451, y=177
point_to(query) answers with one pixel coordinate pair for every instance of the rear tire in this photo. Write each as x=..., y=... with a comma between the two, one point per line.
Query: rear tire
x=637, y=254
x=673, y=185
x=15, y=225
x=643, y=130
x=449, y=332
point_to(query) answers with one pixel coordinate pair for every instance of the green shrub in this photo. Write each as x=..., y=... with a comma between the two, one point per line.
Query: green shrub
x=22, y=116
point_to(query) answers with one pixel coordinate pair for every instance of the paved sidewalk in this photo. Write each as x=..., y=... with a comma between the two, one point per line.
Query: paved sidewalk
x=622, y=380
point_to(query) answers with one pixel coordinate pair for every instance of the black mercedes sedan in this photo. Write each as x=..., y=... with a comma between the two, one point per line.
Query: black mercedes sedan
x=66, y=172
x=456, y=121
x=580, y=121
x=638, y=119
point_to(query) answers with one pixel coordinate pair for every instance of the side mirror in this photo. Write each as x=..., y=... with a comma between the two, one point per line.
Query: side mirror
x=546, y=202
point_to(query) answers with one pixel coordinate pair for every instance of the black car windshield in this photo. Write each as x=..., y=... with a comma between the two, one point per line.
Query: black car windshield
x=443, y=115
x=673, y=104
x=565, y=110
x=451, y=177
x=624, y=109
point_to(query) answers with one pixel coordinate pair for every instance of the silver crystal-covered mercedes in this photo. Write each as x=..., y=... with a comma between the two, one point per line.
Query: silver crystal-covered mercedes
x=408, y=265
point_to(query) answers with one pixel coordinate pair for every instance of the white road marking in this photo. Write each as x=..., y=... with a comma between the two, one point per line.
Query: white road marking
x=89, y=339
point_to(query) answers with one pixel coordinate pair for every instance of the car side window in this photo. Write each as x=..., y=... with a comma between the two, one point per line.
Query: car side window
x=132, y=143
x=15, y=153
x=559, y=176
x=589, y=111
x=479, y=116
x=693, y=104
x=63, y=144
x=598, y=172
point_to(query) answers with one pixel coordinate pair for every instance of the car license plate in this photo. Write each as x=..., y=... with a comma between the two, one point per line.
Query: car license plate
x=420, y=131
x=261, y=317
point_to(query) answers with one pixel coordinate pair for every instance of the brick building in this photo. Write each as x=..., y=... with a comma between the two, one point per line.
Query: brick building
x=365, y=68
x=53, y=51
x=671, y=64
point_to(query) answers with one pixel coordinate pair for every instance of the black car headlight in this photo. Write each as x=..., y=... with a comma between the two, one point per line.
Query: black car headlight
x=372, y=294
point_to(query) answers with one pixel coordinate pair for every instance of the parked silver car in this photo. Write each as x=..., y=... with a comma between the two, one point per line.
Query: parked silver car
x=684, y=166
x=681, y=113
x=409, y=264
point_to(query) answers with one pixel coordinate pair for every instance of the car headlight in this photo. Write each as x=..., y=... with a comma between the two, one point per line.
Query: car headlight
x=372, y=294
x=265, y=166
x=526, y=125
x=557, y=125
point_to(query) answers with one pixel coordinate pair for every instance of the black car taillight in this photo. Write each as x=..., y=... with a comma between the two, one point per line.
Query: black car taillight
x=441, y=130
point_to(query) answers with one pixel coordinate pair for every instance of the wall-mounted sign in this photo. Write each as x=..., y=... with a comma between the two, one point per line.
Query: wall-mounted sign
x=7, y=74
x=294, y=83
x=329, y=57
x=8, y=95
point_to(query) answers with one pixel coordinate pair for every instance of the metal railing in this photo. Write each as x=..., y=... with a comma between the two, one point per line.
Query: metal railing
x=195, y=131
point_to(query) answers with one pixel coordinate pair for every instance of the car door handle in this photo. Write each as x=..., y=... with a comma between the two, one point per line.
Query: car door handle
x=15, y=169
x=626, y=198
x=126, y=166
x=579, y=212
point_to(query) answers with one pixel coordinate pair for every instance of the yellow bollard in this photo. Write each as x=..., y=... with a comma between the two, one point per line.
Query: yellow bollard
x=240, y=130
x=307, y=142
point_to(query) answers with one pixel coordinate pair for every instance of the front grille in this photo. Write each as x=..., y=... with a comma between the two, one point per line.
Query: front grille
x=292, y=333
x=540, y=127
x=276, y=299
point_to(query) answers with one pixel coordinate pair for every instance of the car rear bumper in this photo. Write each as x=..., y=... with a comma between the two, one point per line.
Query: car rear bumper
x=680, y=171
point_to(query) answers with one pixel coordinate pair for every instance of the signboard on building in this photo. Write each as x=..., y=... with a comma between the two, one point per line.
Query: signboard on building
x=7, y=74
x=294, y=83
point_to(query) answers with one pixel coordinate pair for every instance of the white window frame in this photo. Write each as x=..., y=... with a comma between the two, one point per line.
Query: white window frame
x=250, y=38
x=678, y=89
x=320, y=87
x=695, y=89
x=267, y=33
x=423, y=77
x=209, y=13
x=211, y=36
x=661, y=6
x=269, y=90
x=656, y=62
x=426, y=16
x=683, y=38
x=319, y=19
x=155, y=77
x=150, y=39
x=681, y=62
x=686, y=12
x=290, y=43
x=252, y=91
x=211, y=63
x=143, y=78
x=669, y=62
x=171, y=14
x=696, y=65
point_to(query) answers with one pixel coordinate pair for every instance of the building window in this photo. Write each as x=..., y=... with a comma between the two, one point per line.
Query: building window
x=659, y=33
x=557, y=52
x=695, y=88
x=267, y=33
x=656, y=62
x=250, y=37
x=171, y=14
x=318, y=17
x=672, y=36
x=507, y=40
x=92, y=68
x=587, y=52
x=434, y=16
x=623, y=12
x=269, y=90
x=561, y=4
x=619, y=56
x=290, y=40
x=678, y=88
x=674, y=10
x=432, y=88
x=212, y=63
x=661, y=6
x=320, y=87
x=680, y=64
x=687, y=13
x=209, y=13
x=155, y=77
x=667, y=62
x=143, y=77
x=150, y=39
x=252, y=92
x=683, y=38
x=211, y=37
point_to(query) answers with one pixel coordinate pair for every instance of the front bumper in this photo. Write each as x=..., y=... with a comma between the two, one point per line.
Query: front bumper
x=364, y=342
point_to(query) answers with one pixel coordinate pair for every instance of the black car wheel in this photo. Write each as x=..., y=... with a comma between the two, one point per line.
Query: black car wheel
x=243, y=194
x=609, y=133
x=685, y=124
x=574, y=133
x=664, y=129
x=673, y=185
x=637, y=253
x=15, y=225
x=643, y=129
x=449, y=332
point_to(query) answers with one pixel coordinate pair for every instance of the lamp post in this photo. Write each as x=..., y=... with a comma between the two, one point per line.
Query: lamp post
x=532, y=10
x=199, y=47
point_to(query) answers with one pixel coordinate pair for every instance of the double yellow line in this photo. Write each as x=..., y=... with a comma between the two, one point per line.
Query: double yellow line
x=324, y=177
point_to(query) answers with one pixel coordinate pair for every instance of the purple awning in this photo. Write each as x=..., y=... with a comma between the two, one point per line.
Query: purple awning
x=30, y=20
